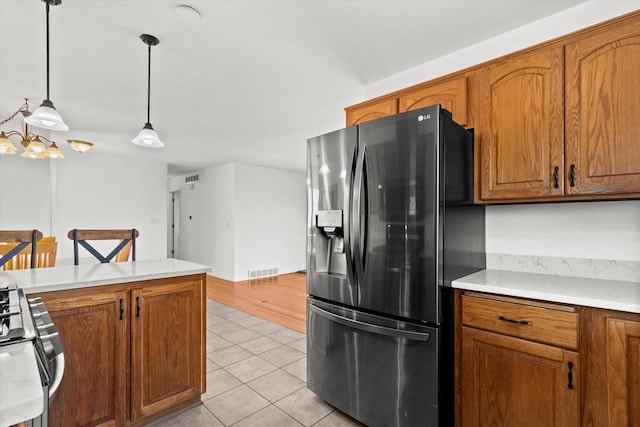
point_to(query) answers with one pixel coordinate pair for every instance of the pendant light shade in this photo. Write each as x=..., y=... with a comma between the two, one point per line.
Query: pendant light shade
x=6, y=146
x=54, y=152
x=148, y=137
x=79, y=145
x=46, y=116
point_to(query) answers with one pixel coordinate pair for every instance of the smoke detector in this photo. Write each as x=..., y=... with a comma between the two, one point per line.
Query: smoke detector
x=187, y=13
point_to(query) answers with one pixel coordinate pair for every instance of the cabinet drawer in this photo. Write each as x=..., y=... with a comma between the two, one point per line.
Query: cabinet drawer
x=548, y=324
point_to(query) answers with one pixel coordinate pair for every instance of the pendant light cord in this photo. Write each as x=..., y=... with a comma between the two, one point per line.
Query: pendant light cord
x=48, y=50
x=149, y=86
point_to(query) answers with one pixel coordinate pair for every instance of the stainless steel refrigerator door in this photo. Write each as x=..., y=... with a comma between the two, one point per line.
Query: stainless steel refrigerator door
x=397, y=194
x=379, y=371
x=330, y=164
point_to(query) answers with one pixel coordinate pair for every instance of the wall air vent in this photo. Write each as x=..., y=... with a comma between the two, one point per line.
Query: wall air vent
x=254, y=274
x=192, y=179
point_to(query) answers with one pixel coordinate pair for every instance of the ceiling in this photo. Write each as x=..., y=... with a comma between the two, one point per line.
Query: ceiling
x=249, y=82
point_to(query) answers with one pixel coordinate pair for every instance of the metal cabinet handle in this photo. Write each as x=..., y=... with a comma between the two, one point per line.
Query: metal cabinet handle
x=137, y=306
x=121, y=309
x=570, y=385
x=520, y=322
x=572, y=175
x=556, y=177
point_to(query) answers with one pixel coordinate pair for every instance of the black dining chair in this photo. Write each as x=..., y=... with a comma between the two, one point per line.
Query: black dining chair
x=126, y=242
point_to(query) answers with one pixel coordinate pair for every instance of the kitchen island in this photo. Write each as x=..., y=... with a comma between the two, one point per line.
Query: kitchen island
x=134, y=335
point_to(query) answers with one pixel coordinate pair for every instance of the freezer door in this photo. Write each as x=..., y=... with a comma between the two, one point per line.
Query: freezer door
x=396, y=251
x=330, y=165
x=379, y=371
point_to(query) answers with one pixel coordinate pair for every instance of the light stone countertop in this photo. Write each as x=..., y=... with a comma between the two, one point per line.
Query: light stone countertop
x=21, y=395
x=599, y=293
x=38, y=280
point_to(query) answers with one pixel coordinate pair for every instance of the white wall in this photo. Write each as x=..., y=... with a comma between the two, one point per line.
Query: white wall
x=89, y=190
x=243, y=218
x=597, y=230
x=270, y=220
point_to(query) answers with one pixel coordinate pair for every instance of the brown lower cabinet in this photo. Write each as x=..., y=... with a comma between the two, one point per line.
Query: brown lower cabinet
x=612, y=368
x=518, y=367
x=525, y=363
x=134, y=351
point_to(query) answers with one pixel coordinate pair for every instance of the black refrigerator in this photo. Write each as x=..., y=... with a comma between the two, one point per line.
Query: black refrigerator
x=391, y=222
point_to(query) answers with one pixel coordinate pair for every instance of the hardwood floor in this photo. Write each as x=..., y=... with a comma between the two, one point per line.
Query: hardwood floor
x=280, y=299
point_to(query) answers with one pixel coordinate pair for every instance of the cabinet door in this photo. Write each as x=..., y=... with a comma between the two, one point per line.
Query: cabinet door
x=521, y=127
x=166, y=346
x=603, y=107
x=95, y=333
x=451, y=95
x=623, y=372
x=368, y=111
x=508, y=381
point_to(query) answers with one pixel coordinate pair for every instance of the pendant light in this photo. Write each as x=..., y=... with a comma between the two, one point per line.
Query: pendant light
x=148, y=137
x=46, y=116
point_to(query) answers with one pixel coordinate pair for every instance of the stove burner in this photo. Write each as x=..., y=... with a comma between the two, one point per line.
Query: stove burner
x=11, y=316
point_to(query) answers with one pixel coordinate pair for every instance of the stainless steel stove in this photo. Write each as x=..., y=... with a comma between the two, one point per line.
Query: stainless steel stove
x=27, y=320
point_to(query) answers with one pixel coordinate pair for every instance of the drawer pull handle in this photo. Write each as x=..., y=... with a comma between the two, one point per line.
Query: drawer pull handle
x=570, y=385
x=519, y=322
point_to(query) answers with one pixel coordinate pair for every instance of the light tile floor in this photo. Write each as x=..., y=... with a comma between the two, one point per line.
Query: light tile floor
x=256, y=376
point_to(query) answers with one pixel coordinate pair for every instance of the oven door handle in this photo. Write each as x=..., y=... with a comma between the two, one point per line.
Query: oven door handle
x=58, y=371
x=383, y=330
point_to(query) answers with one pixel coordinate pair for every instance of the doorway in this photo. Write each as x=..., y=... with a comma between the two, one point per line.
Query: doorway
x=173, y=245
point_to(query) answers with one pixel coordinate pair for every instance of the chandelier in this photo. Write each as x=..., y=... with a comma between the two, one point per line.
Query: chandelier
x=32, y=143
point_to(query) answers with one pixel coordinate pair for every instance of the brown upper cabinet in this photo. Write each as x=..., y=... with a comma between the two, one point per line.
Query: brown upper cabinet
x=521, y=126
x=371, y=110
x=534, y=147
x=602, y=112
x=451, y=94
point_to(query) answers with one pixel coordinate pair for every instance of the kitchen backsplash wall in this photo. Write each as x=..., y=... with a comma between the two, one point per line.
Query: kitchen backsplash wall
x=625, y=271
x=591, y=230
x=590, y=239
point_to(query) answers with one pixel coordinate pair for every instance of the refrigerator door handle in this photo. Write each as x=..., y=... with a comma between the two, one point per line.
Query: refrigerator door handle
x=356, y=215
x=348, y=248
x=383, y=330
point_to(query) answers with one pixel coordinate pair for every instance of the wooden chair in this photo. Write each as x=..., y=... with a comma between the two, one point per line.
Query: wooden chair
x=126, y=244
x=46, y=254
x=123, y=255
x=21, y=249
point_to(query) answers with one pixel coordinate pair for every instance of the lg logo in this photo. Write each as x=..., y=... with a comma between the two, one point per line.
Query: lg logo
x=424, y=117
